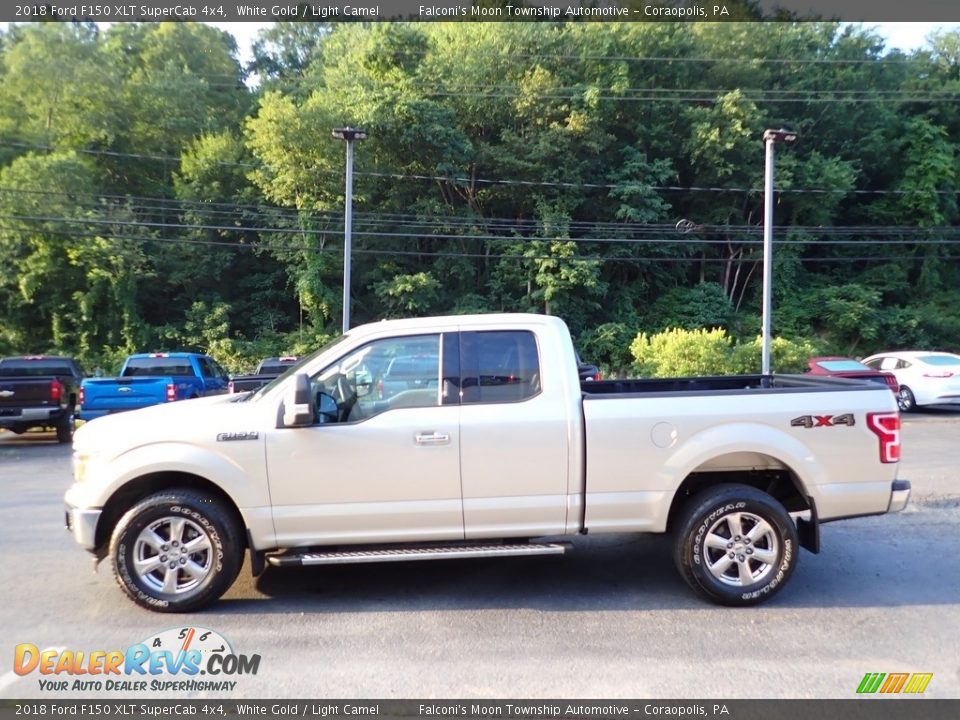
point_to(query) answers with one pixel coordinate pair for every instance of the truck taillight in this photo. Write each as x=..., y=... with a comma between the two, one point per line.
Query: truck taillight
x=886, y=426
x=171, y=392
x=230, y=387
x=380, y=389
x=83, y=397
x=56, y=391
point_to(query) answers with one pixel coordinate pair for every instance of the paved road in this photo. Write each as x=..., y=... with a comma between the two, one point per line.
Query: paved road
x=611, y=620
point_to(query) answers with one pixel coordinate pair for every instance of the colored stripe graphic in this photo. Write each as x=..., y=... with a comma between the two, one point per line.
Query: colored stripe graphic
x=870, y=682
x=918, y=683
x=894, y=683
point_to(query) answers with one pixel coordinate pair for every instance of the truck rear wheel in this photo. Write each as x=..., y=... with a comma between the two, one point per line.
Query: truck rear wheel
x=65, y=426
x=735, y=545
x=176, y=551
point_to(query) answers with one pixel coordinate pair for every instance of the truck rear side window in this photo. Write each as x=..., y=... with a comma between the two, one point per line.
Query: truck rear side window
x=499, y=366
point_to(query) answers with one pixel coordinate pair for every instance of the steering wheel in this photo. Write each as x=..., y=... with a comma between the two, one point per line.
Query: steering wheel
x=348, y=397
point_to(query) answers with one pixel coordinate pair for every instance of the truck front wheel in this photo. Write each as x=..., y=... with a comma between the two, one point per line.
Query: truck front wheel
x=735, y=545
x=176, y=551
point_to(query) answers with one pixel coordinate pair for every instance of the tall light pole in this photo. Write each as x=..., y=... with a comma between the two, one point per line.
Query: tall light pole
x=770, y=138
x=349, y=135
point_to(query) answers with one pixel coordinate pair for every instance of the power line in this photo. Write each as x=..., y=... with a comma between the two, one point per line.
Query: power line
x=705, y=97
x=657, y=236
x=467, y=181
x=601, y=260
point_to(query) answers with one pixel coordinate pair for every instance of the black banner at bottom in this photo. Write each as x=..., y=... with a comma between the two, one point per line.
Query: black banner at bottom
x=127, y=709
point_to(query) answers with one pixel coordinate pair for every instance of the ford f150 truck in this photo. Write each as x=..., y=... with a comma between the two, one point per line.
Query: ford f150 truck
x=500, y=451
x=267, y=370
x=149, y=379
x=39, y=391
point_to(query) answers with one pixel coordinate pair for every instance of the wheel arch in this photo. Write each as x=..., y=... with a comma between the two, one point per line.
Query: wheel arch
x=135, y=490
x=767, y=474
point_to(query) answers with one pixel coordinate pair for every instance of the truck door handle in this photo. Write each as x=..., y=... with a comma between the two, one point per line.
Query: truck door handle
x=432, y=438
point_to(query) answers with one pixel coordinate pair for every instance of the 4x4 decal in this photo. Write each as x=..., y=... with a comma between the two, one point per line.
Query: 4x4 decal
x=810, y=421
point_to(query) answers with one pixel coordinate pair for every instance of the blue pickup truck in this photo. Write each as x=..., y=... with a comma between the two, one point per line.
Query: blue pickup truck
x=150, y=379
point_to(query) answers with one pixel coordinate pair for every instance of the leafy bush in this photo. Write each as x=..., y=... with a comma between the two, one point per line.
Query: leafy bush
x=608, y=346
x=704, y=305
x=786, y=356
x=682, y=353
x=679, y=353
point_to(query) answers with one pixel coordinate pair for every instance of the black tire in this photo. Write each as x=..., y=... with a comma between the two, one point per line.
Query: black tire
x=906, y=400
x=724, y=569
x=172, y=578
x=65, y=426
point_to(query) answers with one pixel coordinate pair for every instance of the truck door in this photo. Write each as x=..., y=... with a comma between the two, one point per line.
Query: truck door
x=215, y=378
x=513, y=439
x=375, y=468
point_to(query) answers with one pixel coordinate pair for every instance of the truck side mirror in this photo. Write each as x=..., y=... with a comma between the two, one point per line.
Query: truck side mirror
x=299, y=403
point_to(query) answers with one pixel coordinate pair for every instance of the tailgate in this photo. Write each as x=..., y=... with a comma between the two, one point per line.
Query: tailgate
x=124, y=393
x=16, y=393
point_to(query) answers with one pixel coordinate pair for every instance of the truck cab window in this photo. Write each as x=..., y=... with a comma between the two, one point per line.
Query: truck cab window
x=499, y=366
x=383, y=375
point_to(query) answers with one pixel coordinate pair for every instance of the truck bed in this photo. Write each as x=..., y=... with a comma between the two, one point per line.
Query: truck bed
x=718, y=384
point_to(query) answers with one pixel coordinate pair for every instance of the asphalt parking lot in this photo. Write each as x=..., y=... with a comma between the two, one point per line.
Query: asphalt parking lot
x=612, y=619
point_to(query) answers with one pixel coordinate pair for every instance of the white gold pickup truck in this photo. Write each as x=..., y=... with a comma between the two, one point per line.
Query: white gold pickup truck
x=485, y=445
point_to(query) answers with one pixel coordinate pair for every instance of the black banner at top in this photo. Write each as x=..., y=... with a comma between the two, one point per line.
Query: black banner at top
x=484, y=10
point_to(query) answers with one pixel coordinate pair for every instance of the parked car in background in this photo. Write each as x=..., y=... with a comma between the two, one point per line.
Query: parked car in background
x=587, y=372
x=268, y=369
x=408, y=372
x=150, y=379
x=849, y=368
x=925, y=378
x=39, y=391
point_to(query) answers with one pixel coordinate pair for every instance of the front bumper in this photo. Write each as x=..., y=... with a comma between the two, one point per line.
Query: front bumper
x=899, y=495
x=82, y=524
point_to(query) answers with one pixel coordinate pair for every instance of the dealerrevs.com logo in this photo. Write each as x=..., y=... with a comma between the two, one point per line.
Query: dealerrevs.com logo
x=189, y=659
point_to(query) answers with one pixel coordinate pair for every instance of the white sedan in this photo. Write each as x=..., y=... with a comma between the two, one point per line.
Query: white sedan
x=925, y=378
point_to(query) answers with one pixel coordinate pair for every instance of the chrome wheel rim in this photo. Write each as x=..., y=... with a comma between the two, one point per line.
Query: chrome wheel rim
x=905, y=399
x=741, y=549
x=172, y=556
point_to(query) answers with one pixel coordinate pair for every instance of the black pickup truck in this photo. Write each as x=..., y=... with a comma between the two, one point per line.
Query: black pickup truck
x=39, y=391
x=267, y=370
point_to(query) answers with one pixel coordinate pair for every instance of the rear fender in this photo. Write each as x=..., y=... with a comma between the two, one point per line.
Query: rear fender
x=744, y=446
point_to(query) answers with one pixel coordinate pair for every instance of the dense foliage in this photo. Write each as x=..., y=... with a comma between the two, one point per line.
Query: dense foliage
x=154, y=194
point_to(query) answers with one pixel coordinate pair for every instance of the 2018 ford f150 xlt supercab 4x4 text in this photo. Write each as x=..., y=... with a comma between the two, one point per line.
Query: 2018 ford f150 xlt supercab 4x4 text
x=499, y=451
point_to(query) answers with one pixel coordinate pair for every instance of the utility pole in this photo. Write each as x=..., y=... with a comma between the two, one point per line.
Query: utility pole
x=349, y=135
x=770, y=138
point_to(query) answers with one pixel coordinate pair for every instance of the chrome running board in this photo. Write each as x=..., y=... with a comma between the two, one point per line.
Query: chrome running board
x=429, y=552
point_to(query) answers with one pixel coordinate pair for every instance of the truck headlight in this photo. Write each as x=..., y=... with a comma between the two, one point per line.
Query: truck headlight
x=80, y=462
